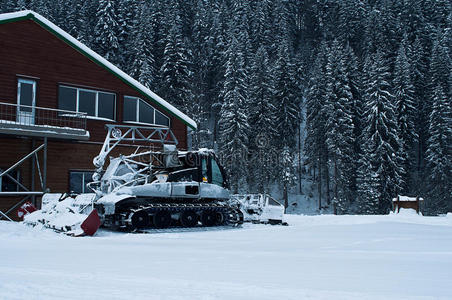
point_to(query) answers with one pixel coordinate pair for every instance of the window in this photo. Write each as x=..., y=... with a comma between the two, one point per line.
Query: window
x=273, y=202
x=78, y=181
x=7, y=184
x=94, y=103
x=137, y=110
x=217, y=177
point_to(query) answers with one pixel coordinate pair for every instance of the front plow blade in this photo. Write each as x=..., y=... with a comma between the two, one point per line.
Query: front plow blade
x=91, y=223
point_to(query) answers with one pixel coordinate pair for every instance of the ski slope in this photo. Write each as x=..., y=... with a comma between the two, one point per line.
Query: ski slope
x=317, y=257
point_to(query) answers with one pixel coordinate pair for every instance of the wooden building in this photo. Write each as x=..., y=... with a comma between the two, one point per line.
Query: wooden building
x=56, y=96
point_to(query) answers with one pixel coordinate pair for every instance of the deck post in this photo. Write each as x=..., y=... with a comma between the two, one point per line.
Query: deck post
x=33, y=162
x=44, y=167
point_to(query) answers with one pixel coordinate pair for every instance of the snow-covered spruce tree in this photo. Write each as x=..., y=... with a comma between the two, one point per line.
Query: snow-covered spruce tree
x=72, y=25
x=202, y=23
x=176, y=70
x=315, y=146
x=262, y=116
x=351, y=17
x=380, y=32
x=131, y=17
x=417, y=60
x=234, y=127
x=339, y=125
x=441, y=62
x=215, y=45
x=406, y=112
x=287, y=175
x=142, y=65
x=381, y=166
x=106, y=31
x=287, y=103
x=262, y=26
x=354, y=75
x=86, y=23
x=368, y=184
x=439, y=154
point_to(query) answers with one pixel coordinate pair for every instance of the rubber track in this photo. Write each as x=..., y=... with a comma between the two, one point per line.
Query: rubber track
x=234, y=214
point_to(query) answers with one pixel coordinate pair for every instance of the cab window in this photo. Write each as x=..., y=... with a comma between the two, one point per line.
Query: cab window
x=217, y=178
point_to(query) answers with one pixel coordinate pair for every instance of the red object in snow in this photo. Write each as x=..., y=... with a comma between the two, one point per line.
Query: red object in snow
x=91, y=223
x=25, y=209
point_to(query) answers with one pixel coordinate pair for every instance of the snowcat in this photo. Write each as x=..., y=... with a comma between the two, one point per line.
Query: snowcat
x=155, y=186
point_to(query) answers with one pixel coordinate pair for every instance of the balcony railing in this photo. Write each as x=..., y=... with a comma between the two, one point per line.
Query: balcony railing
x=39, y=116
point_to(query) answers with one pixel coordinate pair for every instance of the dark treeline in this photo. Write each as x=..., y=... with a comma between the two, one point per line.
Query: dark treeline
x=354, y=94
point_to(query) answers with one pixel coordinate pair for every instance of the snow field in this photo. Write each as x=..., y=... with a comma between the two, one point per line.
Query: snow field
x=317, y=257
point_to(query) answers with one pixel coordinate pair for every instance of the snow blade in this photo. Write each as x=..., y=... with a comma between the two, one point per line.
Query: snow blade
x=91, y=223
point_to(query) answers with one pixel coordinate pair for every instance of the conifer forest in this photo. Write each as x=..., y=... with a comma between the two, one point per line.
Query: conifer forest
x=352, y=96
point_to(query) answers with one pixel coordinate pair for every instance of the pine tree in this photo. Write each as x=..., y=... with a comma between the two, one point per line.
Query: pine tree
x=215, y=44
x=369, y=184
x=381, y=165
x=351, y=18
x=142, y=64
x=286, y=98
x=441, y=62
x=439, y=154
x=406, y=111
x=339, y=124
x=202, y=49
x=131, y=17
x=418, y=61
x=315, y=145
x=106, y=31
x=73, y=23
x=176, y=71
x=263, y=117
x=262, y=27
x=287, y=177
x=234, y=125
x=287, y=103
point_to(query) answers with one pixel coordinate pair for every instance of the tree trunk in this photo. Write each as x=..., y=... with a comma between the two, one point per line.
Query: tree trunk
x=327, y=178
x=335, y=180
x=286, y=197
x=320, y=184
x=299, y=158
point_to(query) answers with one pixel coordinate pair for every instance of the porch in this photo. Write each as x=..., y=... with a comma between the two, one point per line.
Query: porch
x=24, y=120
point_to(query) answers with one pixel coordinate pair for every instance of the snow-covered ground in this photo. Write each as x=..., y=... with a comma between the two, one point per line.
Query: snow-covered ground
x=317, y=257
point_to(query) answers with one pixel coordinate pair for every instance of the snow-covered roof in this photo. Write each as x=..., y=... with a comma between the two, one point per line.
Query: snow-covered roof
x=406, y=198
x=66, y=37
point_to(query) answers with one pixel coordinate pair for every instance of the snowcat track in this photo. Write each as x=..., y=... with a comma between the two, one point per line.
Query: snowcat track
x=232, y=216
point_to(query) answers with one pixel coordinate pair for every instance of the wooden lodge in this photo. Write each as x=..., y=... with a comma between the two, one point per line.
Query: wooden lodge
x=56, y=96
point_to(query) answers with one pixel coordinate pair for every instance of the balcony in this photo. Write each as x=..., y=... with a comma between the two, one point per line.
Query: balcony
x=23, y=120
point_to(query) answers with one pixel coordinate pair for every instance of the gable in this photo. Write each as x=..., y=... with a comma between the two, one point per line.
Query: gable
x=97, y=59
